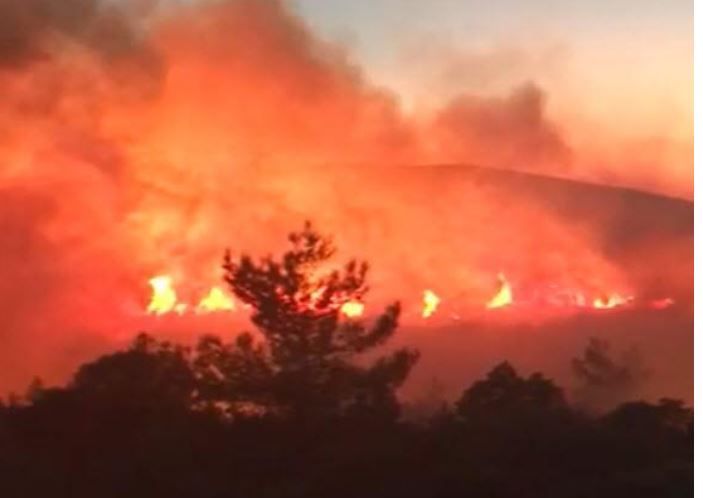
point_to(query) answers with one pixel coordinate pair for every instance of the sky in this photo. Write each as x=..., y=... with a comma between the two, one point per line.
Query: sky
x=617, y=49
x=617, y=74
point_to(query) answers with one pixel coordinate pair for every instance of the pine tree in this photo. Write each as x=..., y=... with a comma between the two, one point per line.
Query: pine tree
x=306, y=361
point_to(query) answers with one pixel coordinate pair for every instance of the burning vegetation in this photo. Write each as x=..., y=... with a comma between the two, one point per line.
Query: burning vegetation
x=164, y=300
x=143, y=138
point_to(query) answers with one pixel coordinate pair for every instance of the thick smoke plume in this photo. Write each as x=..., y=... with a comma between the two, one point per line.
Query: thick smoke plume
x=511, y=131
x=141, y=139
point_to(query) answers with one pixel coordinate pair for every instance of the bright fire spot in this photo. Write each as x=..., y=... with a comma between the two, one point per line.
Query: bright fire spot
x=504, y=296
x=608, y=302
x=352, y=309
x=163, y=297
x=660, y=304
x=216, y=300
x=430, y=301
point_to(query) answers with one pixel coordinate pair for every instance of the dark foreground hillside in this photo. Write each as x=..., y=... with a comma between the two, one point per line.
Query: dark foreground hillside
x=128, y=426
x=308, y=407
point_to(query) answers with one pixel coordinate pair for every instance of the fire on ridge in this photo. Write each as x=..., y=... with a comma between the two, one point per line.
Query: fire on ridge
x=164, y=300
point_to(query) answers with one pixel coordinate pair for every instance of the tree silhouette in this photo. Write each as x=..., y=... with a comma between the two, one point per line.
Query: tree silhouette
x=504, y=395
x=306, y=360
x=641, y=417
x=150, y=378
x=130, y=424
x=603, y=380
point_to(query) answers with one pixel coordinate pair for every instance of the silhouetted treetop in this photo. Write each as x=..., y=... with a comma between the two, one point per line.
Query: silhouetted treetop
x=505, y=393
x=641, y=417
x=308, y=359
x=149, y=372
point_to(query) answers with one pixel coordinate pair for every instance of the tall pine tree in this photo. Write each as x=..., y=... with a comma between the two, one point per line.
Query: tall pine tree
x=307, y=360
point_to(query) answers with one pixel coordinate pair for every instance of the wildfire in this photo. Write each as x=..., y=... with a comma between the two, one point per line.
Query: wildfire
x=612, y=301
x=504, y=296
x=216, y=300
x=352, y=309
x=163, y=297
x=165, y=300
x=430, y=301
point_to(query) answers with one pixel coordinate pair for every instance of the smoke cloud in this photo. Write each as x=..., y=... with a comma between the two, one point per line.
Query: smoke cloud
x=141, y=139
x=511, y=132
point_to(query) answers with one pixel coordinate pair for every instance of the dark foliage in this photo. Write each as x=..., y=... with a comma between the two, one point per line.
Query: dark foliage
x=130, y=424
x=506, y=395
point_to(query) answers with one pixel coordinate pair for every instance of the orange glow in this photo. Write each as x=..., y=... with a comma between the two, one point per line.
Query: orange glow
x=352, y=309
x=612, y=301
x=660, y=304
x=216, y=300
x=504, y=296
x=163, y=298
x=430, y=301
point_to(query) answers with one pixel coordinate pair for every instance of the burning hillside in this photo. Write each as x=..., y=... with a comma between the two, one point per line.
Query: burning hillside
x=141, y=143
x=555, y=247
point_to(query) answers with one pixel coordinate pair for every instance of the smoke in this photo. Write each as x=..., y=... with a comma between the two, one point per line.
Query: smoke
x=141, y=139
x=511, y=132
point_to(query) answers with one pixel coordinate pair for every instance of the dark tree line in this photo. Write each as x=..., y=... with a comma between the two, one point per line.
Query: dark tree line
x=306, y=406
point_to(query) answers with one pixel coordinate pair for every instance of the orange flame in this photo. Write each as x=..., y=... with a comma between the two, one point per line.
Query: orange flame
x=609, y=302
x=216, y=300
x=352, y=309
x=430, y=301
x=164, y=298
x=504, y=296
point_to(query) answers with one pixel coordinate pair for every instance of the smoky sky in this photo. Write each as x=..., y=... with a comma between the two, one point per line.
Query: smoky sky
x=141, y=139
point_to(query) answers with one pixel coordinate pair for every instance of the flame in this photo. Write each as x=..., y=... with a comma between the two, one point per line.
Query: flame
x=430, y=301
x=165, y=300
x=216, y=300
x=504, y=296
x=612, y=301
x=163, y=297
x=352, y=309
